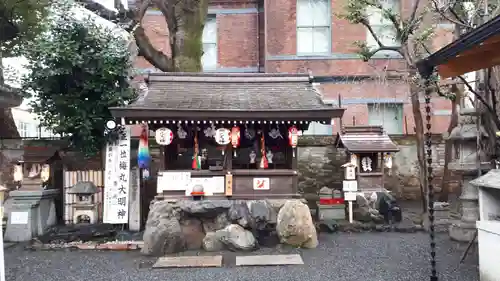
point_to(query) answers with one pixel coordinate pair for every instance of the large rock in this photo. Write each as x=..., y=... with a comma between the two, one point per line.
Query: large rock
x=210, y=208
x=262, y=213
x=277, y=204
x=236, y=238
x=387, y=207
x=239, y=214
x=295, y=226
x=163, y=233
x=211, y=243
x=363, y=211
x=264, y=217
x=217, y=223
x=193, y=233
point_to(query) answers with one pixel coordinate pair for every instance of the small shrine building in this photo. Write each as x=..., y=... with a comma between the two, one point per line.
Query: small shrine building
x=369, y=148
x=233, y=135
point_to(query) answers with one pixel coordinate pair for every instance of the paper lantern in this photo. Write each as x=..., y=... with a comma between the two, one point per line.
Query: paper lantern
x=222, y=136
x=164, y=136
x=293, y=138
x=235, y=138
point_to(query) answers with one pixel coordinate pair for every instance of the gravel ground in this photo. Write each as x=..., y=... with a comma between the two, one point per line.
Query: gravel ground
x=342, y=257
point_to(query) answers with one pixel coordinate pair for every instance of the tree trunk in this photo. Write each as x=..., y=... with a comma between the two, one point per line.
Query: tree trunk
x=448, y=148
x=8, y=128
x=185, y=21
x=187, y=32
x=419, y=133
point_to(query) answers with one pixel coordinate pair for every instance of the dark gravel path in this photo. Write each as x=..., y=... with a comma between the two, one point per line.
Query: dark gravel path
x=342, y=257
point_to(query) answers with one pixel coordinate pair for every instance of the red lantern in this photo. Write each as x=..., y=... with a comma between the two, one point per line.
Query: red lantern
x=293, y=138
x=235, y=138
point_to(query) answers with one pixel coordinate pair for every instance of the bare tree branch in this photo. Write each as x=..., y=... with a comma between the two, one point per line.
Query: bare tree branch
x=414, y=10
x=442, y=13
x=168, y=11
x=482, y=100
x=146, y=48
x=476, y=94
x=381, y=47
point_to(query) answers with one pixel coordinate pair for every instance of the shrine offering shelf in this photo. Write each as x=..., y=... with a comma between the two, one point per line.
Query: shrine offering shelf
x=282, y=184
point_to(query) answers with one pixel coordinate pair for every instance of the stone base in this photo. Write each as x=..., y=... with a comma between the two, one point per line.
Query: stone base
x=31, y=213
x=442, y=219
x=462, y=231
x=214, y=225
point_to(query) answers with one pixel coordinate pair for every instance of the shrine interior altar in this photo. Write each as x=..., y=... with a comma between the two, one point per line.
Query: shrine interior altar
x=227, y=135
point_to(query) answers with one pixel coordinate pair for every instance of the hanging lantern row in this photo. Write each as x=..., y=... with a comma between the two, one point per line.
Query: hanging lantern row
x=224, y=136
x=218, y=122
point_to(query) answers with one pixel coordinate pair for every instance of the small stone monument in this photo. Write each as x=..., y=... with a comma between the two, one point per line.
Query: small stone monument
x=84, y=208
x=331, y=205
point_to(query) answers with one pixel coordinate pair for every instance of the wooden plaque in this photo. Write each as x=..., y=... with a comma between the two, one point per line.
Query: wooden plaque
x=229, y=185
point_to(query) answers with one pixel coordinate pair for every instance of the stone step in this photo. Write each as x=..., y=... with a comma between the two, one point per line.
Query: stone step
x=269, y=260
x=188, y=261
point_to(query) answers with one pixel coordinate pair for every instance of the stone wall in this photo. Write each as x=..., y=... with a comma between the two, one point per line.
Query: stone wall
x=320, y=161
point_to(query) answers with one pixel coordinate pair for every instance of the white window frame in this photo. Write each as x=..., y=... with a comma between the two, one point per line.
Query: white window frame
x=212, y=19
x=380, y=109
x=22, y=129
x=381, y=26
x=312, y=27
x=318, y=129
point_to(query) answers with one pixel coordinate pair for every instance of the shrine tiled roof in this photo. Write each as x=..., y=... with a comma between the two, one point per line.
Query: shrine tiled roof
x=229, y=93
x=365, y=139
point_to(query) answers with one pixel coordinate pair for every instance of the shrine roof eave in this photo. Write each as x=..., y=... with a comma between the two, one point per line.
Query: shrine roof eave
x=370, y=150
x=366, y=147
x=365, y=139
x=196, y=114
x=467, y=53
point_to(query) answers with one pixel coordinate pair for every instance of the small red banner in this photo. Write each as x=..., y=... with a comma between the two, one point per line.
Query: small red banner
x=333, y=201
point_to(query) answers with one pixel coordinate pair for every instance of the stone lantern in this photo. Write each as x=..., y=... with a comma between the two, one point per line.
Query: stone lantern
x=467, y=162
x=84, y=208
x=33, y=210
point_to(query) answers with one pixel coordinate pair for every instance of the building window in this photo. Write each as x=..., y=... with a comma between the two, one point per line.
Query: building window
x=318, y=129
x=389, y=115
x=209, y=39
x=22, y=129
x=383, y=28
x=313, y=27
x=45, y=132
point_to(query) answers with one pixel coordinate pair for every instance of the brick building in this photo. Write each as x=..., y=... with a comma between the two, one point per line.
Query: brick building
x=301, y=36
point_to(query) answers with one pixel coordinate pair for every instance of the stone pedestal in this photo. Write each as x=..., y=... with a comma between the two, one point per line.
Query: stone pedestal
x=31, y=213
x=465, y=228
